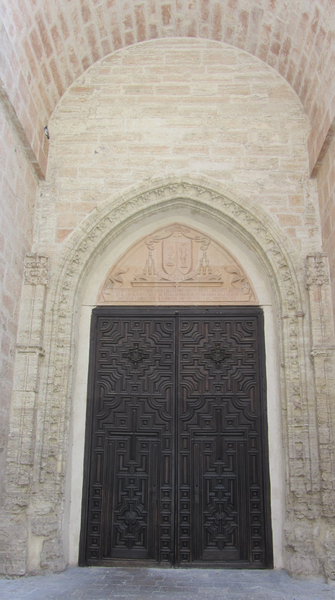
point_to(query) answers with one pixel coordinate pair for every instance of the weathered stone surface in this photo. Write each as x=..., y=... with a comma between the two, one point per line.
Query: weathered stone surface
x=44, y=525
x=52, y=555
x=17, y=196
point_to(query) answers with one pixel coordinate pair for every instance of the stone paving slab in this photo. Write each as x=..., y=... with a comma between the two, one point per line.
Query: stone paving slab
x=98, y=583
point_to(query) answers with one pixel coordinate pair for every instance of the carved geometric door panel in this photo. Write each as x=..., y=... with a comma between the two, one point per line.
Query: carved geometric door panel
x=130, y=436
x=223, y=511
x=176, y=445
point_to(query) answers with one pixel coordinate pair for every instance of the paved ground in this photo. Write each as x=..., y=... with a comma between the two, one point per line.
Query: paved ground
x=163, y=584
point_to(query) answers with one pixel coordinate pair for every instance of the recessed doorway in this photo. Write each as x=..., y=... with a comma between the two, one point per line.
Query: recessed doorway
x=176, y=460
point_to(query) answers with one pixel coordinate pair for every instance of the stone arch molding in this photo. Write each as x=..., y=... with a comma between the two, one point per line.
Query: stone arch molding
x=243, y=217
x=52, y=342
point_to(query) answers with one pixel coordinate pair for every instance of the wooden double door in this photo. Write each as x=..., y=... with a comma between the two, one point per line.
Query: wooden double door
x=176, y=462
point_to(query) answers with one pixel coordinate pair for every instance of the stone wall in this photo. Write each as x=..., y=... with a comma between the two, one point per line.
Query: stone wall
x=179, y=106
x=326, y=189
x=17, y=199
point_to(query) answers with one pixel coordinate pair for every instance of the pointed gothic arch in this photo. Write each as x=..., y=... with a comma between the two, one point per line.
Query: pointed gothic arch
x=247, y=222
x=55, y=327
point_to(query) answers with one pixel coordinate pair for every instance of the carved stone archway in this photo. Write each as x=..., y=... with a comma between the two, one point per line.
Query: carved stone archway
x=46, y=353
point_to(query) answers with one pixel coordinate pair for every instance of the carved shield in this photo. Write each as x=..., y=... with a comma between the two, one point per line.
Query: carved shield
x=169, y=256
x=177, y=255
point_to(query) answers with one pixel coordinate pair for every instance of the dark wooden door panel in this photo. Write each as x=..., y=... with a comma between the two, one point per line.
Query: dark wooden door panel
x=176, y=445
x=131, y=425
x=131, y=499
x=221, y=510
x=219, y=427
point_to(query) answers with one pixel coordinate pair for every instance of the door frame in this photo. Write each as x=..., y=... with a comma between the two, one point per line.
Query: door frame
x=157, y=311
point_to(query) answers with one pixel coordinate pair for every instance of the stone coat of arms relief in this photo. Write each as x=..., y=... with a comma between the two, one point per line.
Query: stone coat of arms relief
x=177, y=265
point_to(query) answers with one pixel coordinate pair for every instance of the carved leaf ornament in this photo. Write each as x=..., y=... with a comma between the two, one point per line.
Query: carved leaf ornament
x=36, y=269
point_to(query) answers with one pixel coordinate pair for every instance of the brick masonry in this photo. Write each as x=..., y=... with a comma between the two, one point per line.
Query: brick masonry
x=47, y=45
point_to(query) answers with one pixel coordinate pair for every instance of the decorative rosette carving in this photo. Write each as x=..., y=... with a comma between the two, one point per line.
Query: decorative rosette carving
x=36, y=268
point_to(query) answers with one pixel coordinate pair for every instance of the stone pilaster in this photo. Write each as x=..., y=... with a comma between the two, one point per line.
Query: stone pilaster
x=29, y=354
x=323, y=358
x=22, y=436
